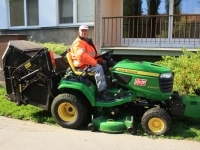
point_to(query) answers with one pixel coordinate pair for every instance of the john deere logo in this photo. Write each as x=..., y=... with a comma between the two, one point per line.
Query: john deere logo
x=140, y=82
x=137, y=72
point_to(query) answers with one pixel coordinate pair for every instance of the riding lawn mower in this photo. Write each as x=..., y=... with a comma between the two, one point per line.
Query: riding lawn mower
x=144, y=90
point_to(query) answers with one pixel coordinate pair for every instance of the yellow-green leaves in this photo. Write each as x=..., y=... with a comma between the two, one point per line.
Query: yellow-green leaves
x=187, y=71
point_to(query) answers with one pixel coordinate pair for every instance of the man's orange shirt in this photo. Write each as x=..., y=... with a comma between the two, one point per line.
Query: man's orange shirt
x=83, y=53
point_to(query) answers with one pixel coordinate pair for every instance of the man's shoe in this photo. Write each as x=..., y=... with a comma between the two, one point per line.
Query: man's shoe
x=104, y=96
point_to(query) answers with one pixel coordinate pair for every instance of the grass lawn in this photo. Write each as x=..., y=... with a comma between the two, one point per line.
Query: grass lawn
x=28, y=112
x=183, y=128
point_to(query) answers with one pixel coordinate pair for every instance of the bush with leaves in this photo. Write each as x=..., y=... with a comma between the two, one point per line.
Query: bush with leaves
x=187, y=71
x=57, y=48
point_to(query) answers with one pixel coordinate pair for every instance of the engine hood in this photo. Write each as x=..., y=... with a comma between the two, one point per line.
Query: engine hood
x=143, y=67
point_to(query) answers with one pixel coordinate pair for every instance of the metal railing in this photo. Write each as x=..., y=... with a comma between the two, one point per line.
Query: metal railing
x=152, y=30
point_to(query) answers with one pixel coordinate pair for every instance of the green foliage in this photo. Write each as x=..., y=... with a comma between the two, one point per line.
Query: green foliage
x=132, y=7
x=153, y=7
x=57, y=48
x=187, y=71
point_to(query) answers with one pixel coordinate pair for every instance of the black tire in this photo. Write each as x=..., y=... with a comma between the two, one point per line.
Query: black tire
x=156, y=121
x=69, y=111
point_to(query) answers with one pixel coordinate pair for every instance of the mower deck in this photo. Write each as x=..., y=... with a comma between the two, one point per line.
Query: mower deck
x=112, y=124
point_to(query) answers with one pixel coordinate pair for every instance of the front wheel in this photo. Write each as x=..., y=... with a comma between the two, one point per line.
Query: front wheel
x=156, y=121
x=69, y=111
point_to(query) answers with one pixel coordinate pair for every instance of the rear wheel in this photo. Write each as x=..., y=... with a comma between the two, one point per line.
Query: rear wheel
x=69, y=111
x=156, y=121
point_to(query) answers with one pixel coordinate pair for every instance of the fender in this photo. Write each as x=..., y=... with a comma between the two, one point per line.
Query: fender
x=88, y=91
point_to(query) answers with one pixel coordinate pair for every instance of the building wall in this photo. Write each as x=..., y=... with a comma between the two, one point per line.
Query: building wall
x=3, y=15
x=57, y=35
x=112, y=8
x=48, y=30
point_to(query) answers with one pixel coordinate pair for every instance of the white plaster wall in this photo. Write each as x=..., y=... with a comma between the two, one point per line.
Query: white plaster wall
x=3, y=14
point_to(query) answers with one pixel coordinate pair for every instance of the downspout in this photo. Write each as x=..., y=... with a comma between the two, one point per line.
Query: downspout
x=170, y=25
x=97, y=25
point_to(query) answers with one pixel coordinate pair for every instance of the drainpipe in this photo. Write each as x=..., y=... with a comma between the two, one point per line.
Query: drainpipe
x=170, y=25
x=97, y=25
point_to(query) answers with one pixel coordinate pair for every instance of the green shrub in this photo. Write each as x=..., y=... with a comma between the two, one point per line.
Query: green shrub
x=57, y=48
x=187, y=71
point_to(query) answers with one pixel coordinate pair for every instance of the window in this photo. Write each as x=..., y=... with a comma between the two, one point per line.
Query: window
x=23, y=12
x=76, y=11
x=32, y=12
x=189, y=7
x=186, y=26
x=16, y=19
x=145, y=27
x=85, y=10
x=66, y=11
x=177, y=25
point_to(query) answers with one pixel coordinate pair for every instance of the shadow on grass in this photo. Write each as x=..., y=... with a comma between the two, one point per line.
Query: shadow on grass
x=43, y=117
x=185, y=128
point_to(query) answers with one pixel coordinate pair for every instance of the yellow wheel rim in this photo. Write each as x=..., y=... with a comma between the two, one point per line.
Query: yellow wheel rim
x=66, y=112
x=156, y=124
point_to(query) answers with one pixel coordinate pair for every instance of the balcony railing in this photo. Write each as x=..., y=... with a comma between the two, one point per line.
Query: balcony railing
x=152, y=31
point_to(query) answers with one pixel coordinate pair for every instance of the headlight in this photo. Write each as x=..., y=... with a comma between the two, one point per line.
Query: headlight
x=166, y=75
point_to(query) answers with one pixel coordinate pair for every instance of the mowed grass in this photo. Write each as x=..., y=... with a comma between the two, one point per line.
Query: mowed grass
x=182, y=128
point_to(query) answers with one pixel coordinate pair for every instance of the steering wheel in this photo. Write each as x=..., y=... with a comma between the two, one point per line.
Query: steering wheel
x=106, y=55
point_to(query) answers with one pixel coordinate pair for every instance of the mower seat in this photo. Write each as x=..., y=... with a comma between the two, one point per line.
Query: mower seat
x=74, y=70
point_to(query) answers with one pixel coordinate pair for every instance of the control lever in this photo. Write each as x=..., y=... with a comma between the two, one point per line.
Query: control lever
x=85, y=71
x=84, y=76
x=86, y=68
x=119, y=94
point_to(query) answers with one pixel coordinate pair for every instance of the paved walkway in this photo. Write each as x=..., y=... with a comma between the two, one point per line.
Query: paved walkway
x=26, y=135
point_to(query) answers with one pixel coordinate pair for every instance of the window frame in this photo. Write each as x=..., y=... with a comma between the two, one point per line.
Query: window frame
x=75, y=16
x=25, y=17
x=40, y=25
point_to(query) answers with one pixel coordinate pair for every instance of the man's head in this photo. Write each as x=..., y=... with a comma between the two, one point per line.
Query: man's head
x=83, y=31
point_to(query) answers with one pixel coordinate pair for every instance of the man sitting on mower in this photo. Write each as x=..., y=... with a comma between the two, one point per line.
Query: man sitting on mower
x=84, y=53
